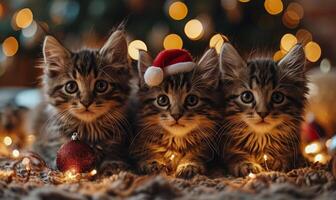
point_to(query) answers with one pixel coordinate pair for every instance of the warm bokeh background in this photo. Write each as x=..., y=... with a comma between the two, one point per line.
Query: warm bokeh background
x=273, y=25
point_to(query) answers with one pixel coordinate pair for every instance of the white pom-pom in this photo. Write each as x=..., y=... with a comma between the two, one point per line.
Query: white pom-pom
x=153, y=76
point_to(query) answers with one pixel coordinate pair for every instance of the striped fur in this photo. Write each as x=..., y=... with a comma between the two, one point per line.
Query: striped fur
x=98, y=116
x=160, y=144
x=266, y=126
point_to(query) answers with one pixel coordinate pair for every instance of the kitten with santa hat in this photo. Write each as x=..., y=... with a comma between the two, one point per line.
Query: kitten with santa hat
x=178, y=114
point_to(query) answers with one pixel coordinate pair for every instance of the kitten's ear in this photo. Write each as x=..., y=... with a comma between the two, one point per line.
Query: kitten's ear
x=144, y=61
x=207, y=68
x=294, y=61
x=230, y=62
x=55, y=55
x=115, y=48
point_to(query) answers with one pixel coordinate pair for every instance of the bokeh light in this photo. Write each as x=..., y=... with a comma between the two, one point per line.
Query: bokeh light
x=194, y=29
x=313, y=51
x=217, y=41
x=304, y=36
x=273, y=7
x=7, y=141
x=172, y=41
x=244, y=1
x=178, y=10
x=1, y=10
x=16, y=153
x=30, y=30
x=296, y=8
x=134, y=47
x=287, y=42
x=278, y=55
x=24, y=18
x=325, y=65
x=10, y=46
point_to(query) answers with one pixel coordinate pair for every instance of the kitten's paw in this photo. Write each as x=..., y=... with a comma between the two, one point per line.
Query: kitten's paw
x=152, y=167
x=189, y=170
x=245, y=168
x=110, y=167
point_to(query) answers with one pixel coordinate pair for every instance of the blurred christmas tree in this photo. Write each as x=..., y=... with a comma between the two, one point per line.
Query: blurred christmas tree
x=271, y=24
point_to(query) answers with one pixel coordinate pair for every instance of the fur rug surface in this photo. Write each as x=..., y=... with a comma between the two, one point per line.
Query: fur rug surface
x=31, y=179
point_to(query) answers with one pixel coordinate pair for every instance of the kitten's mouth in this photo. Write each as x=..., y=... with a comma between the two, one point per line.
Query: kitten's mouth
x=176, y=124
x=262, y=122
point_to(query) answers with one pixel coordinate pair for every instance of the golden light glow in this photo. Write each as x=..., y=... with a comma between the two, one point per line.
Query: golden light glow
x=287, y=42
x=244, y=1
x=313, y=148
x=1, y=10
x=16, y=153
x=278, y=55
x=320, y=158
x=134, y=47
x=10, y=46
x=304, y=36
x=172, y=41
x=313, y=51
x=296, y=8
x=93, y=172
x=217, y=41
x=24, y=18
x=172, y=157
x=273, y=7
x=251, y=175
x=265, y=157
x=178, y=10
x=194, y=29
x=71, y=174
x=7, y=141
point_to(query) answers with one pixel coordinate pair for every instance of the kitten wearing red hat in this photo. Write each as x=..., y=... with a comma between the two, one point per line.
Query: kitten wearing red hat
x=178, y=113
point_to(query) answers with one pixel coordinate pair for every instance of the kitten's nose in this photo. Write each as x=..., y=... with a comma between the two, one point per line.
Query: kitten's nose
x=86, y=103
x=263, y=114
x=176, y=116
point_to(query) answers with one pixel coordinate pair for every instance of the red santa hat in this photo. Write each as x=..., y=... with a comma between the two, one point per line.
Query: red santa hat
x=168, y=62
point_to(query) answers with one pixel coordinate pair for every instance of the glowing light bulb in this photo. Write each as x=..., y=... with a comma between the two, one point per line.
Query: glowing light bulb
x=313, y=148
x=24, y=18
x=278, y=55
x=10, y=46
x=288, y=41
x=251, y=175
x=217, y=41
x=172, y=157
x=16, y=153
x=178, y=10
x=313, y=51
x=265, y=157
x=172, y=41
x=194, y=29
x=273, y=7
x=134, y=47
x=7, y=141
x=319, y=158
x=93, y=172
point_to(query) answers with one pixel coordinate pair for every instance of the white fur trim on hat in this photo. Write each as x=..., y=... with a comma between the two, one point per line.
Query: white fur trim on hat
x=178, y=68
x=153, y=76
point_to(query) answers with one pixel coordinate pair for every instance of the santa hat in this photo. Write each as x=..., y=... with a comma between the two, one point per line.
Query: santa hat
x=168, y=62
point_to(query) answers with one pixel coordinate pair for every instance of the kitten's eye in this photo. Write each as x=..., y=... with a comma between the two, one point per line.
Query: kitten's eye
x=247, y=97
x=278, y=97
x=101, y=86
x=71, y=87
x=162, y=100
x=191, y=100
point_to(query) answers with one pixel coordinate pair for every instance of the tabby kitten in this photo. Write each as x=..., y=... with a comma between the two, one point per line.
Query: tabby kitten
x=178, y=119
x=86, y=92
x=264, y=102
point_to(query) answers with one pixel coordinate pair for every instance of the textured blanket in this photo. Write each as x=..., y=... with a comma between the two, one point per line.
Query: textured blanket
x=28, y=177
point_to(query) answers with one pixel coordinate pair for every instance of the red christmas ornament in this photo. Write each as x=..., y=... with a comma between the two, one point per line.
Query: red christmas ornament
x=75, y=156
x=312, y=131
